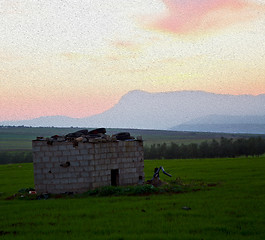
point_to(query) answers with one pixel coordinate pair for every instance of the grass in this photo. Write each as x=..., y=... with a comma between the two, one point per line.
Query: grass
x=234, y=209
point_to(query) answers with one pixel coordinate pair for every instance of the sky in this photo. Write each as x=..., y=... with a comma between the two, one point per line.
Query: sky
x=79, y=57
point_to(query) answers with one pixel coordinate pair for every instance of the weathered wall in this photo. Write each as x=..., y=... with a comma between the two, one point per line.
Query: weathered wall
x=90, y=165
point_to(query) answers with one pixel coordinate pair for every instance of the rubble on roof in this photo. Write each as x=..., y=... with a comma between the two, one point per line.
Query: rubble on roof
x=93, y=136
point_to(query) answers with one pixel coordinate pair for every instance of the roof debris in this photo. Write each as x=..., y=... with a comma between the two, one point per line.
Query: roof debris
x=93, y=136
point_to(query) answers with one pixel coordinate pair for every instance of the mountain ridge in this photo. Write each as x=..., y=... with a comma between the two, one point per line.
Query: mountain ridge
x=161, y=110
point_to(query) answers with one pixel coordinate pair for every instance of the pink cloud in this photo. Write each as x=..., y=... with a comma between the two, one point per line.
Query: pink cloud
x=127, y=45
x=187, y=16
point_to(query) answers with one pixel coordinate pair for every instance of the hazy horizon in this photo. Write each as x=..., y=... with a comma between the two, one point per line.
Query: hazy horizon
x=136, y=90
x=79, y=58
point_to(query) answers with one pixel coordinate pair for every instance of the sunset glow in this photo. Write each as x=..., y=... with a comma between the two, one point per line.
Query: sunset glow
x=78, y=58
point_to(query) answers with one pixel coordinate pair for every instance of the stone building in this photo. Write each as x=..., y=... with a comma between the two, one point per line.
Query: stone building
x=65, y=167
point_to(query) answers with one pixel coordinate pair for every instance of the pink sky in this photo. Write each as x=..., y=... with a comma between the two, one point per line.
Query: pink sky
x=79, y=59
x=189, y=16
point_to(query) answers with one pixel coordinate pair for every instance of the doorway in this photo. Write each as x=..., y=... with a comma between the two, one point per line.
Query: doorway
x=114, y=177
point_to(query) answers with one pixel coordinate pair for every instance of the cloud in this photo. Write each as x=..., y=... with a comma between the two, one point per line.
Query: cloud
x=189, y=16
x=72, y=56
x=128, y=45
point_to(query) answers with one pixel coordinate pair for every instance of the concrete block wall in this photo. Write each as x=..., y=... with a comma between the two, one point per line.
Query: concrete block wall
x=91, y=165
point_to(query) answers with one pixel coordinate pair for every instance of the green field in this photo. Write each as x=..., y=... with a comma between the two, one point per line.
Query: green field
x=233, y=209
x=19, y=138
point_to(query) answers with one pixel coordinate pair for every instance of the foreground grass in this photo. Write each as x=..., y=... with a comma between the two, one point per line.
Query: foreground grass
x=234, y=209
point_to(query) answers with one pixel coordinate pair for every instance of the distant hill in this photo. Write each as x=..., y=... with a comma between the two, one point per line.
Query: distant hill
x=225, y=124
x=139, y=109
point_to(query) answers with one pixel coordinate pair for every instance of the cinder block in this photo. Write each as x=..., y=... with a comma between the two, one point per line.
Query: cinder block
x=95, y=185
x=82, y=145
x=104, y=167
x=54, y=159
x=90, y=180
x=59, y=187
x=57, y=153
x=54, y=147
x=70, y=158
x=101, y=161
x=95, y=174
x=91, y=156
x=45, y=159
x=92, y=151
x=40, y=154
x=127, y=165
x=83, y=163
x=36, y=149
x=75, y=175
x=121, y=143
x=38, y=174
x=98, y=167
x=137, y=154
x=109, y=155
x=84, y=174
x=91, y=168
x=80, y=180
x=84, y=152
x=107, y=161
x=75, y=151
x=75, y=164
x=37, y=159
x=114, y=166
x=69, y=146
x=89, y=145
x=48, y=165
x=66, y=153
x=62, y=148
x=92, y=162
x=98, y=179
x=72, y=180
x=115, y=160
x=67, y=175
x=49, y=176
x=46, y=148
x=34, y=155
x=56, y=181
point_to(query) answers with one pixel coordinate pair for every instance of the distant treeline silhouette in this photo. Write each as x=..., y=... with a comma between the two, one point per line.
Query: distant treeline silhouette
x=225, y=147
x=15, y=157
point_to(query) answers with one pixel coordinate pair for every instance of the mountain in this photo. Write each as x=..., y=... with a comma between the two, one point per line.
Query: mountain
x=48, y=121
x=228, y=119
x=140, y=109
x=225, y=124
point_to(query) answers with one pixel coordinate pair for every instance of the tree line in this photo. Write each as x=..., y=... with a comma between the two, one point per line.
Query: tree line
x=225, y=147
x=15, y=157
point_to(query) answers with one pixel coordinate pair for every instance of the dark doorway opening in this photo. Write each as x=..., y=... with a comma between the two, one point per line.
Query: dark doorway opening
x=114, y=177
